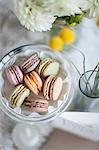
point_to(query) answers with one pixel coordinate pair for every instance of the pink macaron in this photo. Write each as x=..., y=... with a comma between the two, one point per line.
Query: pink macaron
x=36, y=105
x=30, y=64
x=14, y=75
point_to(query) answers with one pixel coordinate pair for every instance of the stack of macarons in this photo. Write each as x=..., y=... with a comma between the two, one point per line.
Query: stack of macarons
x=34, y=76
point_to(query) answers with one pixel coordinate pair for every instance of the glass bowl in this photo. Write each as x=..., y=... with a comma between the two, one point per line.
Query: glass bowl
x=21, y=53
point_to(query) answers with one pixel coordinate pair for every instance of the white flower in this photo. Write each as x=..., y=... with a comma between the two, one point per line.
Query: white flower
x=39, y=15
x=33, y=17
x=93, y=8
x=62, y=7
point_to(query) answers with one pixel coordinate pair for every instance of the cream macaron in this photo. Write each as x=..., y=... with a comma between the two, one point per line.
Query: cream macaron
x=52, y=87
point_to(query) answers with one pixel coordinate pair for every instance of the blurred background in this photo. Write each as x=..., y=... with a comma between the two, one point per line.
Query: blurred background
x=12, y=35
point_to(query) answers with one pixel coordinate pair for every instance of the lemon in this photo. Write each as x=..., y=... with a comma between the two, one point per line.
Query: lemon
x=67, y=35
x=56, y=43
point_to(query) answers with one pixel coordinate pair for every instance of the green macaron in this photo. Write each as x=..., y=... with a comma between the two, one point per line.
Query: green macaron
x=47, y=67
x=18, y=96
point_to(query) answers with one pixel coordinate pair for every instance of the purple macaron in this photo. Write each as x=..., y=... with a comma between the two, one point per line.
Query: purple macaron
x=30, y=64
x=14, y=75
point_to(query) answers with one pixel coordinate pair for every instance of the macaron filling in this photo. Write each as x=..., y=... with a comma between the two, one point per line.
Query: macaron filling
x=47, y=86
x=42, y=64
x=31, y=84
x=51, y=84
x=15, y=100
x=15, y=73
x=32, y=58
x=37, y=105
x=16, y=92
x=56, y=89
x=44, y=67
x=52, y=87
x=36, y=78
x=30, y=64
x=18, y=96
x=12, y=76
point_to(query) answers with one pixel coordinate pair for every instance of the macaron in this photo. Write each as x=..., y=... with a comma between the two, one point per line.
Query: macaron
x=52, y=87
x=18, y=96
x=36, y=105
x=47, y=67
x=14, y=74
x=33, y=82
x=30, y=64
